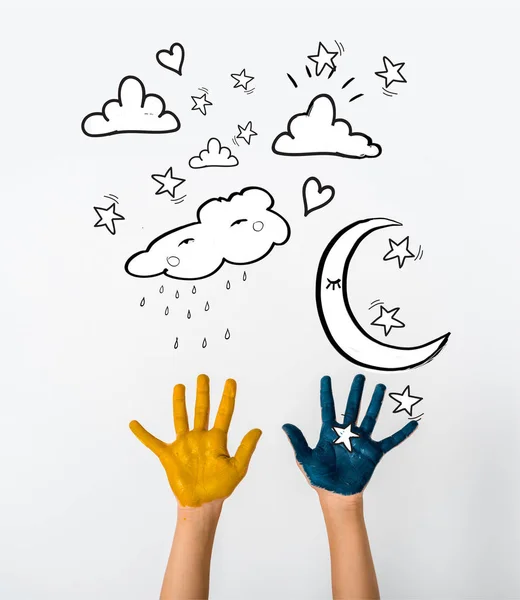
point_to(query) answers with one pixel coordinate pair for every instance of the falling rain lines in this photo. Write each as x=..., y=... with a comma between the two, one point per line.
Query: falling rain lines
x=356, y=97
x=347, y=82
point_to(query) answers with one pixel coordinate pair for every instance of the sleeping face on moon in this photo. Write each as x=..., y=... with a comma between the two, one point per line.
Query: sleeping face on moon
x=239, y=230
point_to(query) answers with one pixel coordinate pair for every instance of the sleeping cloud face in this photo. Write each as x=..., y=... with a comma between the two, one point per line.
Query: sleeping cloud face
x=241, y=230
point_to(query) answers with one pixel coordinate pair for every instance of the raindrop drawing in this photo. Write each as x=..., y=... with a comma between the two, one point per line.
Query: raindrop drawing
x=228, y=285
x=167, y=311
x=161, y=289
x=206, y=306
x=204, y=343
x=188, y=314
x=176, y=345
x=227, y=335
x=142, y=302
x=244, y=276
x=193, y=290
x=177, y=294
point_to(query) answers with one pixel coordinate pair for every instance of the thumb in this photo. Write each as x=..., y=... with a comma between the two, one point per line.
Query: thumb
x=298, y=442
x=146, y=438
x=246, y=449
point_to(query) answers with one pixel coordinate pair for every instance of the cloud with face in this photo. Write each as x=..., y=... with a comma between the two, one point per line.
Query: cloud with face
x=241, y=229
x=134, y=111
x=318, y=131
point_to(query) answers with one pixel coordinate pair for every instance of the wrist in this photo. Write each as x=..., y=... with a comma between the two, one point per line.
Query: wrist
x=336, y=504
x=206, y=515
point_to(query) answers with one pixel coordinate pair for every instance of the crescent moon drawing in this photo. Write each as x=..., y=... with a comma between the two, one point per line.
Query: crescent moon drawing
x=336, y=316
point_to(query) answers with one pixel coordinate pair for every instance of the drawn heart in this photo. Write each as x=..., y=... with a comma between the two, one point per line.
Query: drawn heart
x=172, y=59
x=316, y=195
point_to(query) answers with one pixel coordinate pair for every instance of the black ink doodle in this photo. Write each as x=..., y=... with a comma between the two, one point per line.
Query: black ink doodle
x=318, y=131
x=338, y=320
x=107, y=216
x=239, y=230
x=214, y=155
x=172, y=59
x=134, y=111
x=315, y=195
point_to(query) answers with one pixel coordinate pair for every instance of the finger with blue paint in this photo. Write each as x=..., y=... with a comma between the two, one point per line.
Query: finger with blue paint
x=346, y=456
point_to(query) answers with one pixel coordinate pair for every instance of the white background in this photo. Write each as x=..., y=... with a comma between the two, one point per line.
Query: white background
x=85, y=510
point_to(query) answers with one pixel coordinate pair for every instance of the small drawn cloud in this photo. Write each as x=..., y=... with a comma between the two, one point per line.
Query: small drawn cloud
x=241, y=229
x=134, y=111
x=215, y=155
x=318, y=131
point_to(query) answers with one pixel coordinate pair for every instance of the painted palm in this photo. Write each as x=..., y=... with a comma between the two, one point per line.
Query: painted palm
x=346, y=455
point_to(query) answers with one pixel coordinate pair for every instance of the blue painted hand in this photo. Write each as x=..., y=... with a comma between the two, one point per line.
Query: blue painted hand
x=346, y=455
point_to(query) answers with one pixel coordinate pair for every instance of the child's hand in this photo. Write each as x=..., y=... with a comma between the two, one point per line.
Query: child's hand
x=197, y=463
x=343, y=463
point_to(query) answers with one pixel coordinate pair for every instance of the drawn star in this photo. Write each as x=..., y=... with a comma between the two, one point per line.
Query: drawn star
x=386, y=319
x=399, y=250
x=392, y=72
x=345, y=435
x=406, y=400
x=200, y=103
x=242, y=79
x=168, y=182
x=323, y=59
x=107, y=216
x=246, y=133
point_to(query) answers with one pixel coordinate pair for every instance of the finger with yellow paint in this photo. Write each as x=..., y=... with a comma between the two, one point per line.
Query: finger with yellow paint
x=197, y=464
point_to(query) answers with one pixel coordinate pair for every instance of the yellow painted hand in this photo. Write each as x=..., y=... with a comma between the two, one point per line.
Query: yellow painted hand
x=197, y=463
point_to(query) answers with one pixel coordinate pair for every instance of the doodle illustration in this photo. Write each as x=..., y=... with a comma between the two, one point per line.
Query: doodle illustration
x=172, y=59
x=215, y=155
x=134, y=111
x=107, y=216
x=323, y=58
x=345, y=435
x=242, y=79
x=246, y=133
x=400, y=251
x=405, y=400
x=336, y=316
x=392, y=73
x=315, y=195
x=168, y=183
x=241, y=229
x=387, y=319
x=200, y=103
x=318, y=131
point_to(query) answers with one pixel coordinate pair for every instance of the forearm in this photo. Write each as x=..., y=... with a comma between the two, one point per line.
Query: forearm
x=352, y=567
x=187, y=572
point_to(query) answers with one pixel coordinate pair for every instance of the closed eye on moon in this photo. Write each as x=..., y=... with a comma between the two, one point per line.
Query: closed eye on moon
x=186, y=241
x=237, y=222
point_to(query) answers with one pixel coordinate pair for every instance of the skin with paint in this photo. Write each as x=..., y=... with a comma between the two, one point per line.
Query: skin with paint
x=339, y=468
x=197, y=464
x=201, y=474
x=331, y=465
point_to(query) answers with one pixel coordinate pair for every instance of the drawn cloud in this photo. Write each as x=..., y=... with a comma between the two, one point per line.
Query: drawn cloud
x=215, y=155
x=318, y=131
x=240, y=230
x=134, y=111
